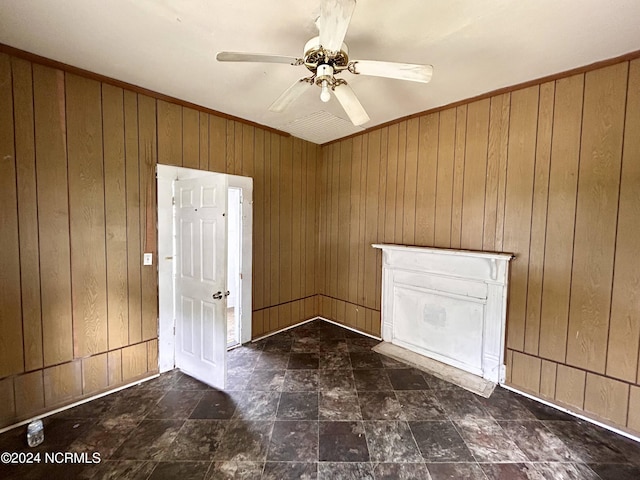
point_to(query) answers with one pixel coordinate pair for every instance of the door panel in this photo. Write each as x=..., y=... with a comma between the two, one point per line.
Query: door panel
x=201, y=272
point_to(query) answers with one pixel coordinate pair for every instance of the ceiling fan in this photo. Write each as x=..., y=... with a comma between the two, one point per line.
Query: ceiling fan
x=326, y=56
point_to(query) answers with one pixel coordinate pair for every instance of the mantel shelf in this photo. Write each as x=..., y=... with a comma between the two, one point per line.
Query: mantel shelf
x=444, y=251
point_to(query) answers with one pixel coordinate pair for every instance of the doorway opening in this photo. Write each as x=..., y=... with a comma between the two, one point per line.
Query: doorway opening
x=234, y=263
x=188, y=298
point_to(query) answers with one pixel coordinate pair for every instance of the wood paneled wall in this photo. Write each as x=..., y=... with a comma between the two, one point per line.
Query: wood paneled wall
x=551, y=173
x=284, y=172
x=78, y=311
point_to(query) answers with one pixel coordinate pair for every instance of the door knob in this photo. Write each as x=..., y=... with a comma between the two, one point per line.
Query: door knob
x=217, y=296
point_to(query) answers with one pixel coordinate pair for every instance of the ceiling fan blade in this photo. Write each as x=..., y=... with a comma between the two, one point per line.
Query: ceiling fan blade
x=254, y=57
x=335, y=16
x=290, y=95
x=401, y=71
x=351, y=105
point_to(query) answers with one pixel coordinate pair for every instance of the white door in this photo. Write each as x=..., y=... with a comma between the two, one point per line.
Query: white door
x=201, y=266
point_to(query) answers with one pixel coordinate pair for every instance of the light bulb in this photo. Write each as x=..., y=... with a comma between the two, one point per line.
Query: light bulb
x=325, y=96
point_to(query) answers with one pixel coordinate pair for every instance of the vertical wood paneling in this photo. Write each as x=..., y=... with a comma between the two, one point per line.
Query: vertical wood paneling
x=633, y=421
x=86, y=215
x=95, y=374
x=148, y=159
x=248, y=134
x=502, y=147
x=7, y=397
x=519, y=194
x=258, y=223
x=53, y=214
x=285, y=275
x=400, y=185
x=526, y=372
x=322, y=219
x=624, y=331
x=334, y=212
x=597, y=204
x=444, y=188
x=296, y=220
x=475, y=172
x=152, y=355
x=325, y=265
x=115, y=197
x=217, y=144
x=539, y=218
x=238, y=158
x=306, y=227
x=134, y=361
x=284, y=315
x=563, y=181
x=382, y=193
x=297, y=312
x=392, y=181
x=496, y=169
x=509, y=366
x=426, y=180
x=361, y=319
x=230, y=140
x=570, y=386
x=354, y=219
x=169, y=133
x=362, y=245
x=190, y=138
x=274, y=202
x=607, y=398
x=11, y=350
x=134, y=253
x=203, y=154
x=311, y=226
x=114, y=364
x=344, y=199
x=458, y=175
x=29, y=391
x=27, y=215
x=266, y=260
x=62, y=383
x=273, y=318
x=371, y=218
x=410, y=178
x=548, y=379
x=257, y=323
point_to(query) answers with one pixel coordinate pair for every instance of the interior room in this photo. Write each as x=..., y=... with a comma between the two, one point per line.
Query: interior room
x=502, y=131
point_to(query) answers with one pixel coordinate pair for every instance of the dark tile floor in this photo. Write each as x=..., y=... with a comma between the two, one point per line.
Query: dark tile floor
x=316, y=402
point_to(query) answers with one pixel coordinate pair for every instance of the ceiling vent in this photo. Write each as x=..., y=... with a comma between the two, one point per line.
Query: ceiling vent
x=321, y=127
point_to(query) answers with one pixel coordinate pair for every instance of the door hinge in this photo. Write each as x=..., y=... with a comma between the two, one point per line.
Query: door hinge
x=173, y=200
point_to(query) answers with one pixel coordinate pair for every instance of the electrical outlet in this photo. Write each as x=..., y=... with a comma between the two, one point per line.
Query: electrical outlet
x=148, y=259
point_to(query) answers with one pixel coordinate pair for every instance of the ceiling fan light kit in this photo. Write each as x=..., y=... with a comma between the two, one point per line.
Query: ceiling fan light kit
x=326, y=56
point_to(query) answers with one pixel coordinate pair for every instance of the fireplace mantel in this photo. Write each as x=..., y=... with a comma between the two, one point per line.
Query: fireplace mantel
x=449, y=305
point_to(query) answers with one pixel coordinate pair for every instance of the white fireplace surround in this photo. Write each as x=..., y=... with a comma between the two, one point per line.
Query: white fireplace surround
x=448, y=305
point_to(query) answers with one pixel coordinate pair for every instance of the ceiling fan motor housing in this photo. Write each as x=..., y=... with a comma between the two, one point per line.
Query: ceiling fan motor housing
x=316, y=56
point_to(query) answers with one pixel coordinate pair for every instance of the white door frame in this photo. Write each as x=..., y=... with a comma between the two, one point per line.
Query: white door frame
x=165, y=175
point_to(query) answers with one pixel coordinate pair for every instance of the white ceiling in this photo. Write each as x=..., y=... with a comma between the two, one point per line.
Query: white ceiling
x=169, y=46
